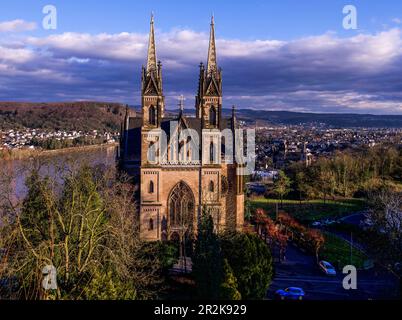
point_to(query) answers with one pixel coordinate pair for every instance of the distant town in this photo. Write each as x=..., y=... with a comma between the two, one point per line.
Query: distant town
x=278, y=146
x=51, y=140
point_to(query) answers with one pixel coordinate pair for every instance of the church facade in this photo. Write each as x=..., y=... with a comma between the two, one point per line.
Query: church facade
x=184, y=165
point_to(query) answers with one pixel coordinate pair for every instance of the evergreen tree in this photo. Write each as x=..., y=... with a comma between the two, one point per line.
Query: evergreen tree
x=35, y=211
x=251, y=262
x=207, y=261
x=229, y=290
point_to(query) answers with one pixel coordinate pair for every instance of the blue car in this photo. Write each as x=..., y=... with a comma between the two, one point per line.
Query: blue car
x=291, y=293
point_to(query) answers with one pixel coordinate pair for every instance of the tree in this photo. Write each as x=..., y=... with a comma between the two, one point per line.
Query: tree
x=251, y=262
x=282, y=185
x=386, y=216
x=315, y=240
x=259, y=220
x=136, y=263
x=301, y=182
x=207, y=260
x=385, y=241
x=325, y=183
x=83, y=226
x=229, y=289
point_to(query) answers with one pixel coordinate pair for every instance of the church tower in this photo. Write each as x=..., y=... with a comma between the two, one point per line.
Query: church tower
x=151, y=86
x=209, y=98
x=178, y=180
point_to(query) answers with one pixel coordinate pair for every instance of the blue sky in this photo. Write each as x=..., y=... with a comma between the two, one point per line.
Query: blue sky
x=251, y=19
x=280, y=55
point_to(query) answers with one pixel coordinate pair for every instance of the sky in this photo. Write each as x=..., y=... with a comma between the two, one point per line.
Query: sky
x=275, y=55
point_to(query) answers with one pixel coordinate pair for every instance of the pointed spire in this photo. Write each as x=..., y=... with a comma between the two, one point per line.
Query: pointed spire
x=212, y=65
x=152, y=62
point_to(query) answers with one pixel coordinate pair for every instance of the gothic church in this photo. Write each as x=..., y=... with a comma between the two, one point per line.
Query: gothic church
x=180, y=182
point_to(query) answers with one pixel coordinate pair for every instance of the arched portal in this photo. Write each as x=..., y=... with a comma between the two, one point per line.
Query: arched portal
x=181, y=208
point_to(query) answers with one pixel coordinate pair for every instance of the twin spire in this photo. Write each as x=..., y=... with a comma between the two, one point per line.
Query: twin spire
x=152, y=61
x=212, y=65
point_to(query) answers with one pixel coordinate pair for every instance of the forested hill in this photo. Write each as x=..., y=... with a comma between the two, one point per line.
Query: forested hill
x=104, y=116
x=345, y=120
x=85, y=116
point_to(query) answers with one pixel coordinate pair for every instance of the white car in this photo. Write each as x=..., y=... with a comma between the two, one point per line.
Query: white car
x=327, y=268
x=328, y=222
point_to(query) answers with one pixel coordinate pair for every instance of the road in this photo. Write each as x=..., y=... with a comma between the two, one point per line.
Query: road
x=355, y=218
x=301, y=270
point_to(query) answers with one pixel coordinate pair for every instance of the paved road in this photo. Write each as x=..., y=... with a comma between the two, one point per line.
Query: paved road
x=301, y=270
x=355, y=218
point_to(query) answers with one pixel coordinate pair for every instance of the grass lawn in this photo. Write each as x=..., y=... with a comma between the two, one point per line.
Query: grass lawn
x=337, y=251
x=310, y=211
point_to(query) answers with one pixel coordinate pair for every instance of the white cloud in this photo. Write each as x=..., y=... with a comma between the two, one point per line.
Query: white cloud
x=364, y=50
x=122, y=46
x=16, y=55
x=320, y=73
x=17, y=25
x=77, y=60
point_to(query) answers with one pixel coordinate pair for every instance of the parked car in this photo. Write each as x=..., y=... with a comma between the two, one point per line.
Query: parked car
x=327, y=268
x=328, y=222
x=291, y=293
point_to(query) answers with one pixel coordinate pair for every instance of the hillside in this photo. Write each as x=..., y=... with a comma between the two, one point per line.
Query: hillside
x=85, y=116
x=104, y=116
x=346, y=120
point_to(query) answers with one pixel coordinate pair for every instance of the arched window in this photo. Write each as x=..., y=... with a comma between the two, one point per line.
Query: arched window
x=211, y=186
x=212, y=116
x=151, y=224
x=211, y=153
x=151, y=187
x=152, y=115
x=181, y=206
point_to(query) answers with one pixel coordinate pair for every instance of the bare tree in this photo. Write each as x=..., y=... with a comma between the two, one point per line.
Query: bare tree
x=385, y=239
x=84, y=223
